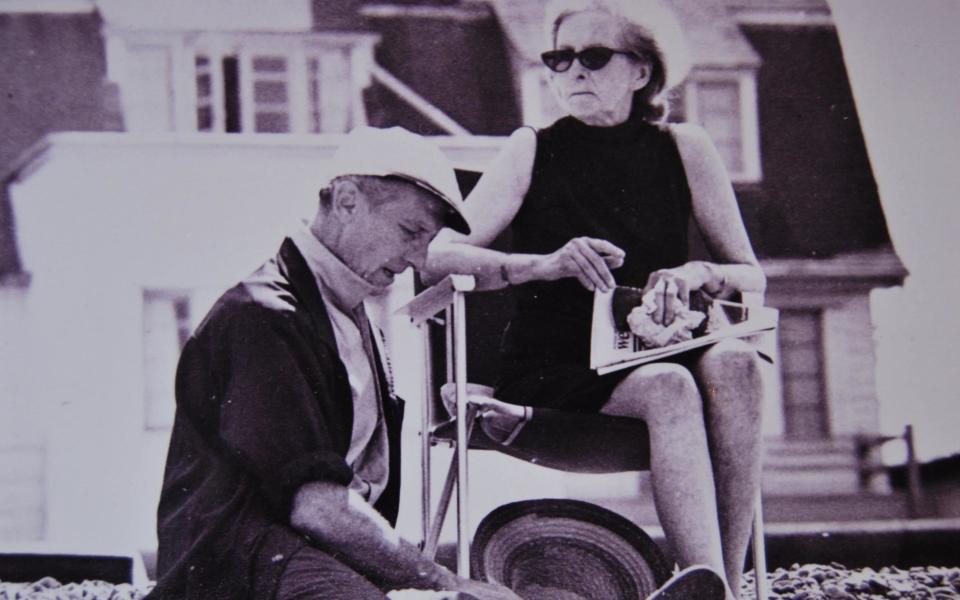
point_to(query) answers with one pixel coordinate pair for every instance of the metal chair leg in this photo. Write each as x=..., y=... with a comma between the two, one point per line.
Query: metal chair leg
x=432, y=538
x=426, y=420
x=463, y=420
x=759, y=548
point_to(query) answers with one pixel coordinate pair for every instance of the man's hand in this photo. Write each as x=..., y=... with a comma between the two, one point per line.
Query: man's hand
x=590, y=260
x=338, y=520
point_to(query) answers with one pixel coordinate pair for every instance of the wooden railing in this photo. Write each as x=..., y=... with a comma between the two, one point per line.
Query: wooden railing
x=865, y=446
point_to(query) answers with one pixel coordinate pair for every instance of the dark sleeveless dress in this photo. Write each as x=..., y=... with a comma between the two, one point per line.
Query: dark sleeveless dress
x=625, y=184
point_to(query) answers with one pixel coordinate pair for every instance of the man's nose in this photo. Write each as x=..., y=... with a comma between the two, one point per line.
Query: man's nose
x=417, y=257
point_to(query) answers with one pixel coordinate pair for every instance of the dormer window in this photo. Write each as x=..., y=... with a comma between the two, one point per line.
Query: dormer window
x=270, y=102
x=249, y=82
x=724, y=103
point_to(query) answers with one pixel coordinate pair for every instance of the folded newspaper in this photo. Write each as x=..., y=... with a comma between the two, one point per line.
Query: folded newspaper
x=624, y=335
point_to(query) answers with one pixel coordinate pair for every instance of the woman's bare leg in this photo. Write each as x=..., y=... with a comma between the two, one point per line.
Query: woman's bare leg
x=729, y=378
x=666, y=397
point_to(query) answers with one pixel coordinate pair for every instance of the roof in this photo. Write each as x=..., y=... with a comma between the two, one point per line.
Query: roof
x=464, y=43
x=52, y=70
x=711, y=33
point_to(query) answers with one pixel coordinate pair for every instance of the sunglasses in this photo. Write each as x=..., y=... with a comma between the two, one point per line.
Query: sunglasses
x=593, y=58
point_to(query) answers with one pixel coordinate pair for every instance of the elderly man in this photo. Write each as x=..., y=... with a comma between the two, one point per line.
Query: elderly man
x=282, y=477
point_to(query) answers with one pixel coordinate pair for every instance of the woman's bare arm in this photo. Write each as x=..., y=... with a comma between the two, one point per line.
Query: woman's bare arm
x=490, y=208
x=717, y=215
x=734, y=266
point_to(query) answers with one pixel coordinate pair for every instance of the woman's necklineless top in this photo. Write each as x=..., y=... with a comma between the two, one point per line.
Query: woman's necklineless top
x=625, y=184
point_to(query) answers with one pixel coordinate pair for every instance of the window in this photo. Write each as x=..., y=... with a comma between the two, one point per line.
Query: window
x=725, y=105
x=231, y=94
x=241, y=82
x=167, y=325
x=204, y=94
x=271, y=112
x=801, y=355
x=169, y=319
x=313, y=68
x=718, y=106
x=269, y=100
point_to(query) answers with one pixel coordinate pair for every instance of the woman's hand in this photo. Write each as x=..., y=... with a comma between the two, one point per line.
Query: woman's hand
x=500, y=420
x=673, y=287
x=588, y=259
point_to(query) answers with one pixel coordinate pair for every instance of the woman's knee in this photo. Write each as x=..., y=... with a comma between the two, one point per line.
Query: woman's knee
x=731, y=360
x=729, y=372
x=658, y=392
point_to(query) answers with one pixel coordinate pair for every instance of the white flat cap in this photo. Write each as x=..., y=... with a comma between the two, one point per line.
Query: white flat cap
x=396, y=152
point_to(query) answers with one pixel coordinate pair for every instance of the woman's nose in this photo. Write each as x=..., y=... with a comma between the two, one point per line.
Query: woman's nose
x=578, y=70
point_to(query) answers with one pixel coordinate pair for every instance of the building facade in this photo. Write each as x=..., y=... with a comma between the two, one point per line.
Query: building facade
x=213, y=124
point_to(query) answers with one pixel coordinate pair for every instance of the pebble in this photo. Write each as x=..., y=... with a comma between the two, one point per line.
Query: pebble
x=799, y=582
x=837, y=582
x=49, y=588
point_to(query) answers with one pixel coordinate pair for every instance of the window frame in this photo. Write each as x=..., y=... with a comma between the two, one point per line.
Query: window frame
x=818, y=376
x=183, y=100
x=748, y=110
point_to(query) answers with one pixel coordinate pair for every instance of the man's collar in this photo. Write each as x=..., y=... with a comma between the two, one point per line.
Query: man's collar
x=346, y=289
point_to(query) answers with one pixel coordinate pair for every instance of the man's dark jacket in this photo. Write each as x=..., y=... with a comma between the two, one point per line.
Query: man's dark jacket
x=263, y=407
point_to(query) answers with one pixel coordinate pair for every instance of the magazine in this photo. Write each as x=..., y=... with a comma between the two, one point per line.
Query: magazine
x=614, y=346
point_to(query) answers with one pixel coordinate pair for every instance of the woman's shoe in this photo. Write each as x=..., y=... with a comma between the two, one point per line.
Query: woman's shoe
x=698, y=582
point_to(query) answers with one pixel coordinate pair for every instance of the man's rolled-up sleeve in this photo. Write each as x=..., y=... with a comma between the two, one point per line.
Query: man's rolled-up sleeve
x=278, y=415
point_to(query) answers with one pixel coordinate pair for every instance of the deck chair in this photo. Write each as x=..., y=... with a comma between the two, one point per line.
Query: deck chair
x=537, y=441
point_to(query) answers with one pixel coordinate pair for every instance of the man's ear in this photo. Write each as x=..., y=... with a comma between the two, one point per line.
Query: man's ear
x=347, y=199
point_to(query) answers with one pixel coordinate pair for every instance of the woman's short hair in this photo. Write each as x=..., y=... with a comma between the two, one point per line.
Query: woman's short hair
x=651, y=30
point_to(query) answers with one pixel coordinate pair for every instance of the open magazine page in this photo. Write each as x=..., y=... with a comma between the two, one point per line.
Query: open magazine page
x=614, y=346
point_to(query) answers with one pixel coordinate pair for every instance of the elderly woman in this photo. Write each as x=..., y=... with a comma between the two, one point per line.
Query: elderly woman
x=603, y=197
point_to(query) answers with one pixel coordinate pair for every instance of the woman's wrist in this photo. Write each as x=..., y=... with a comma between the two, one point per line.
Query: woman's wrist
x=715, y=278
x=519, y=268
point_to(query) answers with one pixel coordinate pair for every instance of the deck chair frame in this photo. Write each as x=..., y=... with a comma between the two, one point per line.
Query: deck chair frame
x=449, y=297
